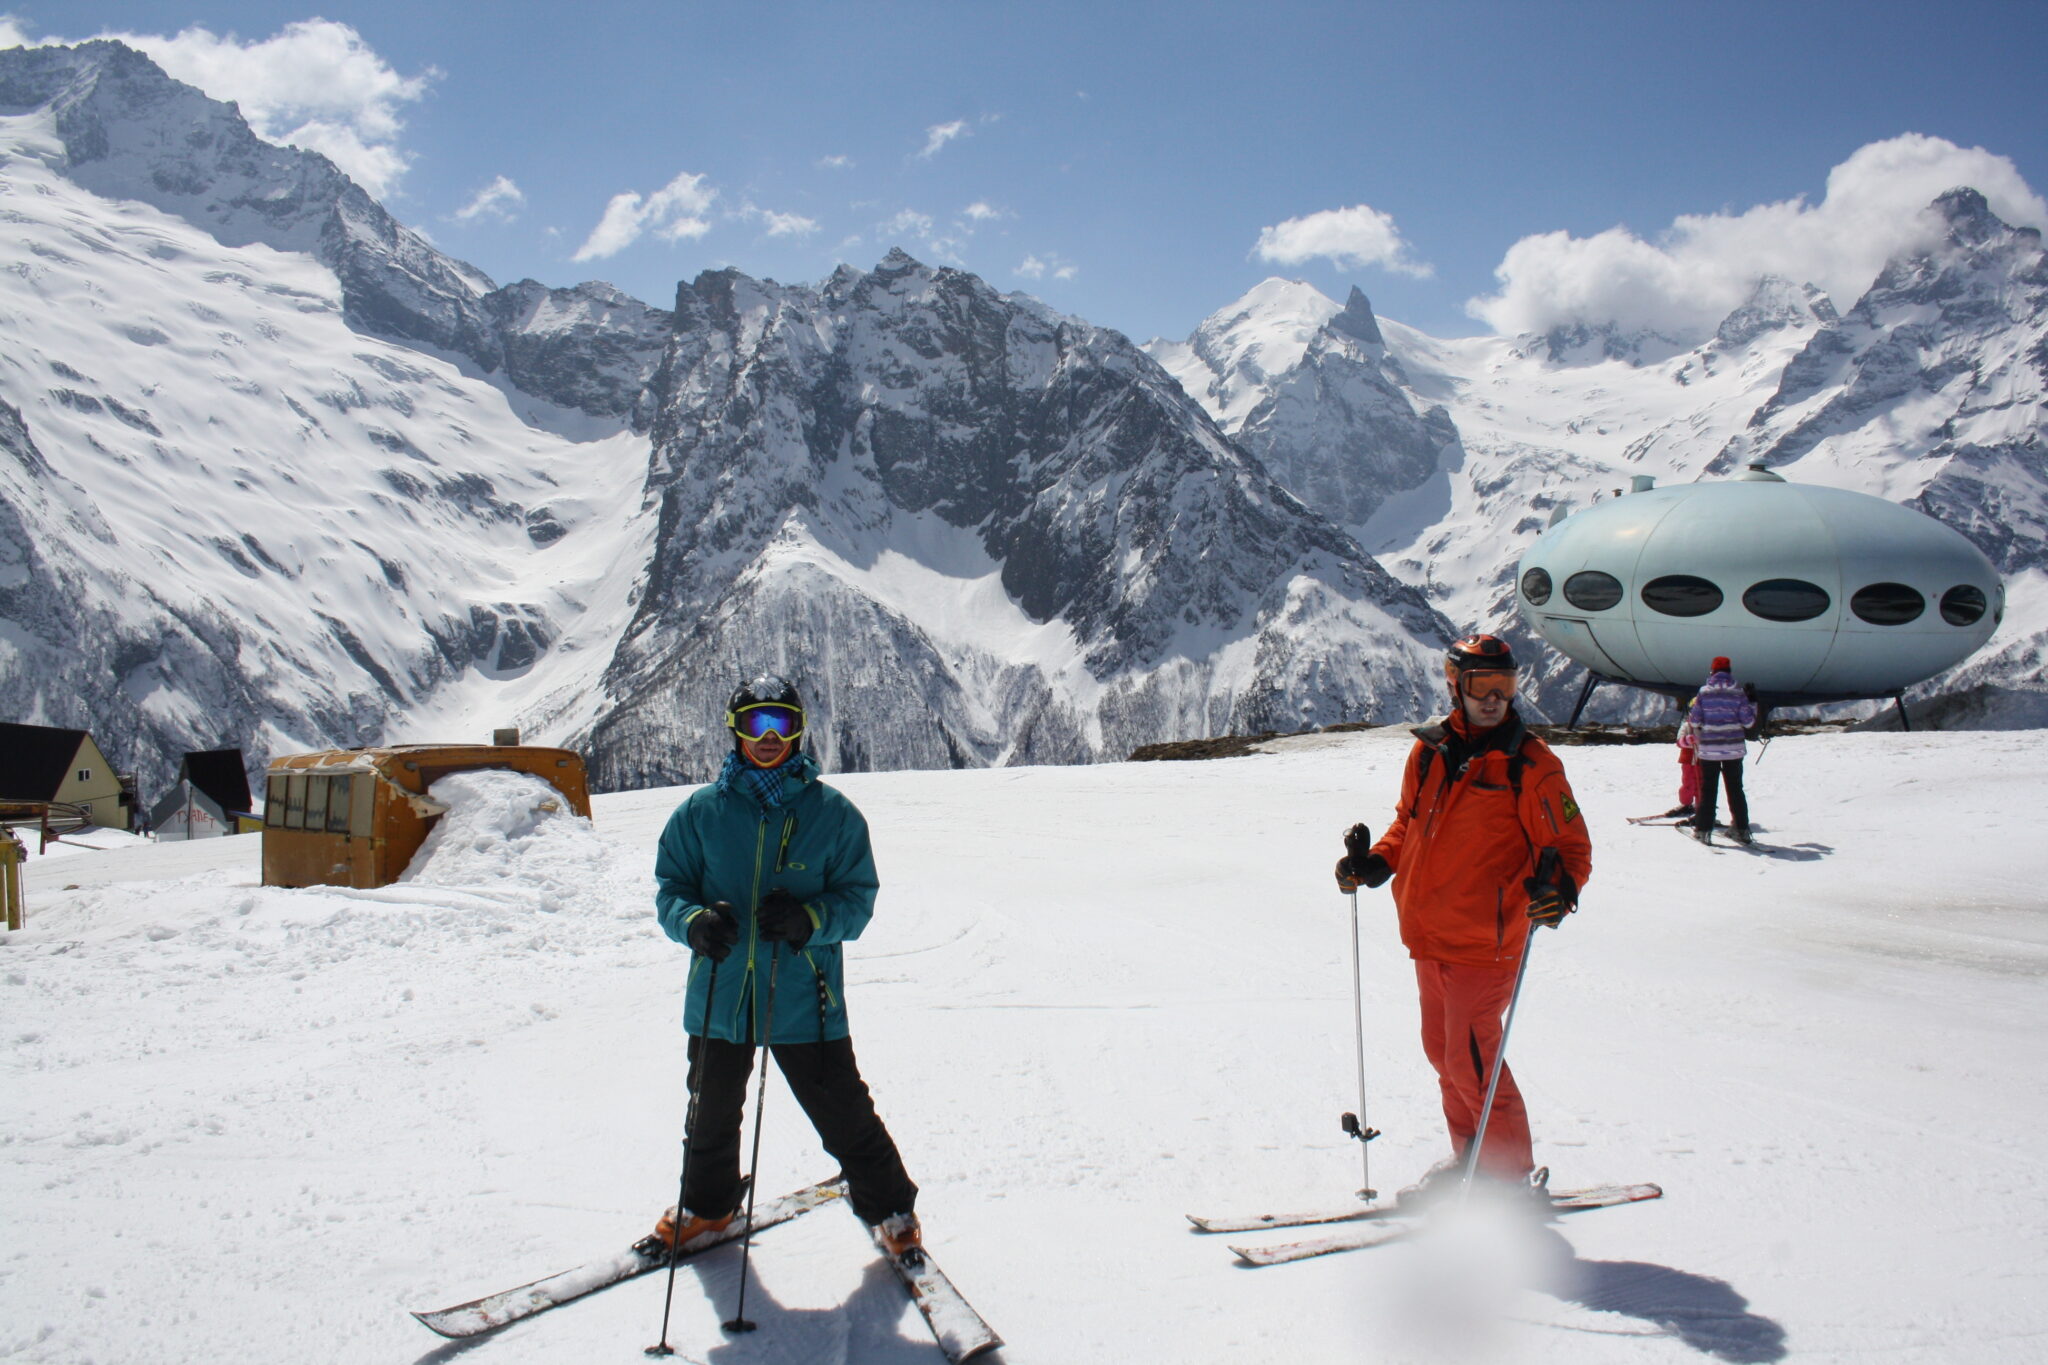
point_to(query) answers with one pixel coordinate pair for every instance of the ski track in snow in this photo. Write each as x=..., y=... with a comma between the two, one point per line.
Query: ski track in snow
x=242, y=1119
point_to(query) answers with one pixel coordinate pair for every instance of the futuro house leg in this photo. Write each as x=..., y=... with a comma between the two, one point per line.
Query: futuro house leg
x=1899, y=700
x=1592, y=681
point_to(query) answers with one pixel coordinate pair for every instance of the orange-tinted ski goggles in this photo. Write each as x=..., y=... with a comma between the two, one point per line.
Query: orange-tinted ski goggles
x=1488, y=684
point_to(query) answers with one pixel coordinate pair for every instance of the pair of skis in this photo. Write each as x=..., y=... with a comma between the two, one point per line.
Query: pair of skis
x=1383, y=1223
x=960, y=1331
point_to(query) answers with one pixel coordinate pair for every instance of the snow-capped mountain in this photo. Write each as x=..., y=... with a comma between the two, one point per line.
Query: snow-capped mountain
x=1311, y=389
x=282, y=475
x=985, y=533
x=1928, y=391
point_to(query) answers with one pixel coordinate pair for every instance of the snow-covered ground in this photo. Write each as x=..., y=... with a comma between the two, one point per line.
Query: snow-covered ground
x=244, y=1124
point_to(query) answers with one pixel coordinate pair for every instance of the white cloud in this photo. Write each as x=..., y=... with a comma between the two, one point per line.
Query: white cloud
x=835, y=163
x=501, y=200
x=932, y=242
x=674, y=212
x=1349, y=239
x=939, y=134
x=908, y=223
x=1033, y=267
x=781, y=224
x=981, y=211
x=314, y=84
x=1705, y=265
x=12, y=34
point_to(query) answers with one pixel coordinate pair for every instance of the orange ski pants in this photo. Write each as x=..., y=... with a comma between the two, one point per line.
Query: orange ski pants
x=1461, y=1033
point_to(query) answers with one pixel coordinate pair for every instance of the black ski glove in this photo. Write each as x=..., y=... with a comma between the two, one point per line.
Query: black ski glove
x=1360, y=866
x=783, y=919
x=1552, y=892
x=714, y=932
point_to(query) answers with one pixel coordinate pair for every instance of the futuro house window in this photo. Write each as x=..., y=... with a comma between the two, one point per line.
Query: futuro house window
x=1786, y=599
x=1536, y=587
x=1963, y=605
x=1680, y=594
x=1591, y=590
x=1888, y=604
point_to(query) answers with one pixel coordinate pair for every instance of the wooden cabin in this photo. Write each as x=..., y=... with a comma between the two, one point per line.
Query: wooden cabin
x=44, y=765
x=355, y=817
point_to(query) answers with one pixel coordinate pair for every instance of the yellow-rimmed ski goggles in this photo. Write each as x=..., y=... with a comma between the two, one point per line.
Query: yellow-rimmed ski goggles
x=767, y=718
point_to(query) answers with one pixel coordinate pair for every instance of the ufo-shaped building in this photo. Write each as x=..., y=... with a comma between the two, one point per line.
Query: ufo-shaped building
x=1817, y=594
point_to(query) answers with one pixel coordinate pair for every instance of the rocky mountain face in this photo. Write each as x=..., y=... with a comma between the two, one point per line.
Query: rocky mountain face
x=290, y=478
x=1928, y=391
x=1153, y=579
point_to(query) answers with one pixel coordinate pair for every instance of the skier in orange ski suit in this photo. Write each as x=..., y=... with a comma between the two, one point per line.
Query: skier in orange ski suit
x=1482, y=801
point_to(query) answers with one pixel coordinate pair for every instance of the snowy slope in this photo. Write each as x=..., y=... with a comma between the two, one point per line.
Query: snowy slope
x=1092, y=1000
x=236, y=520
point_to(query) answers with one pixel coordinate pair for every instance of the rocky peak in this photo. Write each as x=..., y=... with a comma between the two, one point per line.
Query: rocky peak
x=1357, y=320
x=1967, y=215
x=1774, y=304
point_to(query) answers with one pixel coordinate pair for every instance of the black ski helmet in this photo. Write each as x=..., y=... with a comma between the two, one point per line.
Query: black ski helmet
x=766, y=689
x=1476, y=653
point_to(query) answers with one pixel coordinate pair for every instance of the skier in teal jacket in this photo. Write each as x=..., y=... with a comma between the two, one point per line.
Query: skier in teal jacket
x=764, y=873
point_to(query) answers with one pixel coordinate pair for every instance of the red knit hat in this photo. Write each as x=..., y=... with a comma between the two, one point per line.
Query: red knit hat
x=1720, y=664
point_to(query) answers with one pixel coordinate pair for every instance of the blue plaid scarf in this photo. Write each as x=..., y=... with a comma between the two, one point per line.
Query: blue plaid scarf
x=766, y=785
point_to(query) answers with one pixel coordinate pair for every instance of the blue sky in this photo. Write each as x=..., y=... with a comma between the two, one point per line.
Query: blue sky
x=1139, y=164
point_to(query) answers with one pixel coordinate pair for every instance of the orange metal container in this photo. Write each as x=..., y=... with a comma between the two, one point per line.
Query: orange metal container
x=355, y=817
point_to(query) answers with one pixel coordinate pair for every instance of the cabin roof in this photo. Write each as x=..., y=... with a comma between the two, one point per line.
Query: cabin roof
x=220, y=774
x=35, y=759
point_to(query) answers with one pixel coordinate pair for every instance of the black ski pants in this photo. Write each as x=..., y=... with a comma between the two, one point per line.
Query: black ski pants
x=1713, y=772
x=826, y=1082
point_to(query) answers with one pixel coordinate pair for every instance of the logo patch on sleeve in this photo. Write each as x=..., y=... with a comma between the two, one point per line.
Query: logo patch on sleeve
x=1571, y=808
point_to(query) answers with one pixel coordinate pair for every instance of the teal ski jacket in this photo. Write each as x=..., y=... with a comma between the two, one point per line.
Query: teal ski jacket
x=722, y=845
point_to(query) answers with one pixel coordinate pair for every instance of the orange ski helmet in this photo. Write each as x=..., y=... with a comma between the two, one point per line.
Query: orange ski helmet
x=1477, y=654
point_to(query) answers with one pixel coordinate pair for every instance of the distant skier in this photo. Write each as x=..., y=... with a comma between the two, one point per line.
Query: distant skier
x=1482, y=804
x=765, y=872
x=1720, y=716
x=1688, y=766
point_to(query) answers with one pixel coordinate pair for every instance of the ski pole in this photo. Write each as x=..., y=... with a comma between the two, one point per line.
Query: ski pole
x=1358, y=847
x=1355, y=1124
x=1493, y=1076
x=739, y=1321
x=695, y=1087
x=1547, y=864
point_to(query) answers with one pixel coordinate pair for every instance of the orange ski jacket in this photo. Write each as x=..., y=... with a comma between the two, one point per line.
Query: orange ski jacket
x=1473, y=819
